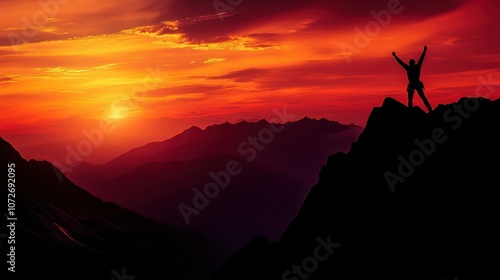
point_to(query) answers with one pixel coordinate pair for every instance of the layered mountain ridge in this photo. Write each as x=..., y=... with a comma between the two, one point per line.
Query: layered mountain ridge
x=62, y=232
x=278, y=164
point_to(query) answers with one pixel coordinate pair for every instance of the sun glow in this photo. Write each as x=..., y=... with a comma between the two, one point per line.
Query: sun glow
x=117, y=114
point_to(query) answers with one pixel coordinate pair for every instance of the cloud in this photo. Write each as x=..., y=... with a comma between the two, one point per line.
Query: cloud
x=197, y=20
x=244, y=75
x=62, y=70
x=29, y=21
x=321, y=15
x=189, y=90
x=6, y=79
x=215, y=60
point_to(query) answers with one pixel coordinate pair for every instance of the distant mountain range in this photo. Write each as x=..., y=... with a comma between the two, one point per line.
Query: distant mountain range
x=63, y=232
x=313, y=140
x=415, y=198
x=278, y=163
x=55, y=151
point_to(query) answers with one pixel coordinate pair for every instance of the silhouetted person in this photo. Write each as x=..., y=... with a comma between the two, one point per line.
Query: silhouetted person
x=413, y=72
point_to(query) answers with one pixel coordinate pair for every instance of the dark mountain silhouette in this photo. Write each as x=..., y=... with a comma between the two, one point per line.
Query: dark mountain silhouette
x=311, y=140
x=153, y=180
x=63, y=232
x=255, y=202
x=415, y=198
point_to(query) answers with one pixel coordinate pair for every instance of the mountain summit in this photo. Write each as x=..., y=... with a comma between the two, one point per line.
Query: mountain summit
x=415, y=198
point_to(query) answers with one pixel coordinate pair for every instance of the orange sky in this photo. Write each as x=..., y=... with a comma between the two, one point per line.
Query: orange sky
x=153, y=68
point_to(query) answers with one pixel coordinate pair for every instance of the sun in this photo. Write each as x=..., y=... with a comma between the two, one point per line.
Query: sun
x=117, y=114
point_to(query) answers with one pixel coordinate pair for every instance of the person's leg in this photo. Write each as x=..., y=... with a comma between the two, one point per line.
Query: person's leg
x=410, y=98
x=426, y=102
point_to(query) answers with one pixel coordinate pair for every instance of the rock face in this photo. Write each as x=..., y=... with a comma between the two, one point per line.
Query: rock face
x=63, y=232
x=415, y=198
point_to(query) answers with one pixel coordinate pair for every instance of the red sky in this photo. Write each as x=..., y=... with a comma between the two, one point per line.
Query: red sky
x=153, y=68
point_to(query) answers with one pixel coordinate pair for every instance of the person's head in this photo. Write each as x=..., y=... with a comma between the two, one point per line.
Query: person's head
x=412, y=62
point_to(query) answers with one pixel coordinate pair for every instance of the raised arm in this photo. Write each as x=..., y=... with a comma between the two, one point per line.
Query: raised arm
x=404, y=65
x=422, y=56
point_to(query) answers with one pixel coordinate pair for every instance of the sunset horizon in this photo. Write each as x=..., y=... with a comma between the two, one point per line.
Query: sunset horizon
x=150, y=70
x=249, y=139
